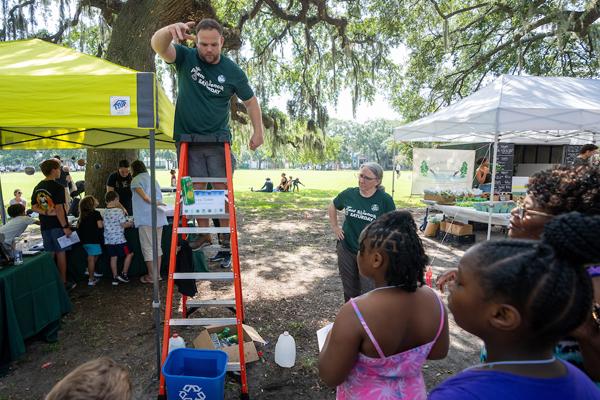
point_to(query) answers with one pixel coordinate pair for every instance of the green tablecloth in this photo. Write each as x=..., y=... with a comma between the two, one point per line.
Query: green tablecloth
x=32, y=301
x=77, y=257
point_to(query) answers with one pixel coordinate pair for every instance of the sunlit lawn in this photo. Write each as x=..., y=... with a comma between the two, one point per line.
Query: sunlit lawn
x=318, y=190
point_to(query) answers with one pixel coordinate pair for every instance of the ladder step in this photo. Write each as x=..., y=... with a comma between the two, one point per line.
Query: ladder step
x=209, y=180
x=217, y=216
x=234, y=366
x=201, y=321
x=211, y=303
x=194, y=229
x=204, y=276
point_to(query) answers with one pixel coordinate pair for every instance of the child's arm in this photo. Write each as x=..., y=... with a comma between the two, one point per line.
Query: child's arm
x=341, y=347
x=100, y=224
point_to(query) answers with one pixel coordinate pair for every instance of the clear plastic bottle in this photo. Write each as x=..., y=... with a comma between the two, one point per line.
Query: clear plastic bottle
x=285, y=350
x=176, y=342
x=18, y=252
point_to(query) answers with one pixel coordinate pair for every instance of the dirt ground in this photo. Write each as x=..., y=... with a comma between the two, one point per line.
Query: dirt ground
x=290, y=282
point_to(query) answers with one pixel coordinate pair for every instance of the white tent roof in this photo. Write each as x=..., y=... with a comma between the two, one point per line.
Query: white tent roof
x=521, y=109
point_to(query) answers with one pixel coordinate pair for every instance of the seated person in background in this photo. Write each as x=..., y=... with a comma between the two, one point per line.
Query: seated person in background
x=483, y=176
x=267, y=187
x=17, y=223
x=18, y=199
x=585, y=154
x=282, y=183
x=99, y=379
x=295, y=183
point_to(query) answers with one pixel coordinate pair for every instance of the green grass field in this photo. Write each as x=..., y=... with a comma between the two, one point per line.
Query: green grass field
x=320, y=187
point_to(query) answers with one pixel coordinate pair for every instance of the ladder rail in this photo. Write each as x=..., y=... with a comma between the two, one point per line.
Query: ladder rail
x=237, y=280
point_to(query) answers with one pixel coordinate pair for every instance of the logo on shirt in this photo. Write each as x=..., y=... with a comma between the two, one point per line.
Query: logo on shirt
x=375, y=207
x=44, y=200
x=221, y=78
x=120, y=105
x=197, y=76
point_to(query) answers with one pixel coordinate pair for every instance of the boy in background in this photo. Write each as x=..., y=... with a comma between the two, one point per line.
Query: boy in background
x=48, y=200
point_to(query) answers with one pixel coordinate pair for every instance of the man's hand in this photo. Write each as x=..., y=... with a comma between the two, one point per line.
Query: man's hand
x=445, y=279
x=181, y=31
x=338, y=232
x=67, y=232
x=255, y=141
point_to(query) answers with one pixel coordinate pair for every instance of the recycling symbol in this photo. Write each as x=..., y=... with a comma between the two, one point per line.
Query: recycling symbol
x=192, y=392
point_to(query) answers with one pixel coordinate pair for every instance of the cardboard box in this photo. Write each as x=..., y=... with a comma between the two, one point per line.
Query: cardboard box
x=458, y=229
x=431, y=229
x=203, y=341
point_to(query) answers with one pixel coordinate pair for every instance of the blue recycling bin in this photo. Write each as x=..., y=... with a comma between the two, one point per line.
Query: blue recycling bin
x=195, y=374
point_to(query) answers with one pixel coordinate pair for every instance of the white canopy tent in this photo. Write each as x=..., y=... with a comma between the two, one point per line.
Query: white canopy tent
x=516, y=109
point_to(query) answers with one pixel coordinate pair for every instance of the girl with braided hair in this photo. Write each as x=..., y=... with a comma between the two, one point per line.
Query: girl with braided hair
x=550, y=193
x=520, y=297
x=380, y=340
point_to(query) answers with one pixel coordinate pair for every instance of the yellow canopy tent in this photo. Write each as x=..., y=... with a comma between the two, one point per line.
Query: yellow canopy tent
x=53, y=97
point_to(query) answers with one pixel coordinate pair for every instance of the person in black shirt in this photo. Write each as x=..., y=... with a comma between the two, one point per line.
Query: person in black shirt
x=90, y=229
x=48, y=200
x=120, y=182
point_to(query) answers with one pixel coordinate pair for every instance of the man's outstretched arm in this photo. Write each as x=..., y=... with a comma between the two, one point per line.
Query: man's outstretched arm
x=162, y=40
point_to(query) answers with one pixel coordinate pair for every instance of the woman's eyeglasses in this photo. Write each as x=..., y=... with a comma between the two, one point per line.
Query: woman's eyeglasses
x=366, y=178
x=19, y=192
x=521, y=212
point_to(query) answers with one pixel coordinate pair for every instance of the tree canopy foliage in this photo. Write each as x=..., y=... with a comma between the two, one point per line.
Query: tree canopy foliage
x=421, y=54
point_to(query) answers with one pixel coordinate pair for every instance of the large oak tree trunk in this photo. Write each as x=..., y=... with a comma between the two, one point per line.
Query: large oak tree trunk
x=130, y=46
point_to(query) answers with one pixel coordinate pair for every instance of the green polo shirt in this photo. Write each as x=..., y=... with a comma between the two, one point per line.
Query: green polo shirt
x=360, y=211
x=204, y=93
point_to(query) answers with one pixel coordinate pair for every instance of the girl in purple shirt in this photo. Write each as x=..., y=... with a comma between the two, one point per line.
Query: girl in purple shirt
x=520, y=297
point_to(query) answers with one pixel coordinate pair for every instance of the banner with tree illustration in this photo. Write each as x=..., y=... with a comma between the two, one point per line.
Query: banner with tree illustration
x=442, y=169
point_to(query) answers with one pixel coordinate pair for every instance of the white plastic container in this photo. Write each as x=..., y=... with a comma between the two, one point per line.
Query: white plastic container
x=176, y=342
x=285, y=350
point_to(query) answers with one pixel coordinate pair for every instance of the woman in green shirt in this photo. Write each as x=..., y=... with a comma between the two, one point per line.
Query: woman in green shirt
x=361, y=206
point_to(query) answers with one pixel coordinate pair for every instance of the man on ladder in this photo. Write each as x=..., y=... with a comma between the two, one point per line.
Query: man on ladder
x=206, y=81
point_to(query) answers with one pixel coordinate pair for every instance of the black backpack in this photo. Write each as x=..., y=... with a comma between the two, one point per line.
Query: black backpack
x=185, y=263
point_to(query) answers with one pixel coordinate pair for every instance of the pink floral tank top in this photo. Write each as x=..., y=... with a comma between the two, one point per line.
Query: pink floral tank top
x=395, y=377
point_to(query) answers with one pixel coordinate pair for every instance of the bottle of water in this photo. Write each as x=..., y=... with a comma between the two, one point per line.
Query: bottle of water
x=285, y=350
x=176, y=342
x=18, y=253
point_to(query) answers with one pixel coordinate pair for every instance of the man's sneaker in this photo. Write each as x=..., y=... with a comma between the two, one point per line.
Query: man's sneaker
x=96, y=274
x=226, y=263
x=220, y=256
x=201, y=242
x=123, y=278
x=93, y=282
x=115, y=281
x=70, y=286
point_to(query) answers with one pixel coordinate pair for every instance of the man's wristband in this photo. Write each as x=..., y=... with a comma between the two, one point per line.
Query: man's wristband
x=67, y=226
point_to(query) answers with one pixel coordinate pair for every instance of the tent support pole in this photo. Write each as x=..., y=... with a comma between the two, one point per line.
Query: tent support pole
x=3, y=212
x=155, y=266
x=493, y=189
x=394, y=166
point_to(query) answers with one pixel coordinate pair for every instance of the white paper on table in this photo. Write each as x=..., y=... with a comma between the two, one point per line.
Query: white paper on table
x=322, y=335
x=66, y=241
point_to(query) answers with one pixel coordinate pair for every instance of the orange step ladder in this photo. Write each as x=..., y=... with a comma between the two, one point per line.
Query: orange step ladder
x=233, y=276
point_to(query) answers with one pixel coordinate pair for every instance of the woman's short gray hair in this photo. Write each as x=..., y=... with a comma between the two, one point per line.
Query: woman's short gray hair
x=375, y=169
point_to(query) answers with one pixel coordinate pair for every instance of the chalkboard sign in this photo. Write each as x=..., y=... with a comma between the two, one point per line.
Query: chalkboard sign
x=570, y=153
x=504, y=170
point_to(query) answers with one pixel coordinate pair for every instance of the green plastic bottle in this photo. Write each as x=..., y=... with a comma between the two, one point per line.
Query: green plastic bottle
x=187, y=186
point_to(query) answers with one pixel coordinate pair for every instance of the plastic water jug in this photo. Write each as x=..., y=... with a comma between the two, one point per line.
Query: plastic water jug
x=285, y=350
x=176, y=342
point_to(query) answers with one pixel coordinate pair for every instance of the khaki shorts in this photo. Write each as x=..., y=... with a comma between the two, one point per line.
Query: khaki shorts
x=145, y=233
x=207, y=160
